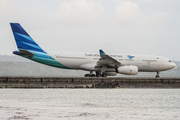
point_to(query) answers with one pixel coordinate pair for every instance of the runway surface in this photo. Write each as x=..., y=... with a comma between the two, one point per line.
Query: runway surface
x=88, y=82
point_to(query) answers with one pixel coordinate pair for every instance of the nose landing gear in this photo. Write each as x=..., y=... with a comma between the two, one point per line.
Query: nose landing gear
x=157, y=76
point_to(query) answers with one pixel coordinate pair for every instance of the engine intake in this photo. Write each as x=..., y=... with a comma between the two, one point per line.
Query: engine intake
x=127, y=70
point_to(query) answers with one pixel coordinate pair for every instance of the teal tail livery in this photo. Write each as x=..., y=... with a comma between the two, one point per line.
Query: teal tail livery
x=28, y=48
x=98, y=65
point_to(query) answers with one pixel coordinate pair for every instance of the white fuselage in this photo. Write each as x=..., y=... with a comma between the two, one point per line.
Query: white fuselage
x=88, y=61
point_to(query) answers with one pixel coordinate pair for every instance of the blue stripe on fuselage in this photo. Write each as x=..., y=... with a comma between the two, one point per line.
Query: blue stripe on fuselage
x=48, y=60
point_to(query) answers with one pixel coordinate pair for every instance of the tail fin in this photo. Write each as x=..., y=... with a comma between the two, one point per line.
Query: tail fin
x=23, y=40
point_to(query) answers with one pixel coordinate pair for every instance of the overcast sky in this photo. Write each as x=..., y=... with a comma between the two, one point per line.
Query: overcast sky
x=117, y=26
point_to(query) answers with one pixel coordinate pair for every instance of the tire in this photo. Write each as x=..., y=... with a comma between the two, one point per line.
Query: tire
x=104, y=75
x=86, y=75
x=157, y=76
x=93, y=75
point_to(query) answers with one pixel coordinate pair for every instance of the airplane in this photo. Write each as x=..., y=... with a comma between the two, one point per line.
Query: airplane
x=102, y=64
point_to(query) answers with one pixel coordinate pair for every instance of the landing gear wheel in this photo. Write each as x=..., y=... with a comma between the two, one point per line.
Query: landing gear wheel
x=86, y=75
x=104, y=75
x=157, y=76
x=98, y=74
x=92, y=75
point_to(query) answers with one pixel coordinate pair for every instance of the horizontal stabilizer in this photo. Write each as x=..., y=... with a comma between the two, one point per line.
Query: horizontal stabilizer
x=24, y=53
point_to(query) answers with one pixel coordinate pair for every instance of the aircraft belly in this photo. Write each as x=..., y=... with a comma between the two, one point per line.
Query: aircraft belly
x=147, y=69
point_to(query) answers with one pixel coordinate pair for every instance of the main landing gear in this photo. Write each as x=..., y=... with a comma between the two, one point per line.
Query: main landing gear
x=98, y=74
x=104, y=75
x=90, y=75
x=157, y=76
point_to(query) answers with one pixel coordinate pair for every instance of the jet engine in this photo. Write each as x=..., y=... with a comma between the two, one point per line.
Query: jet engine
x=127, y=70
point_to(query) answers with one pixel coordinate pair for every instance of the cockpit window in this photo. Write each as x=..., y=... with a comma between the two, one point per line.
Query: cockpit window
x=170, y=61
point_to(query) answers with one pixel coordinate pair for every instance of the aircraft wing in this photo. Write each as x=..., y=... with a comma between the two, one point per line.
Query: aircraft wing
x=106, y=60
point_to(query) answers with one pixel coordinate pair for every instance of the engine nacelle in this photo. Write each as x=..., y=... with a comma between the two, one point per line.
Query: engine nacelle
x=111, y=73
x=127, y=70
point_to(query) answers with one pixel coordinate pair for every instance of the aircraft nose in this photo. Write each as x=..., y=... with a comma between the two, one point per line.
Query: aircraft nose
x=173, y=65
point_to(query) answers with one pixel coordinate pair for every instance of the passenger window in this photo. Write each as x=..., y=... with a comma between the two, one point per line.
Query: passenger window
x=170, y=61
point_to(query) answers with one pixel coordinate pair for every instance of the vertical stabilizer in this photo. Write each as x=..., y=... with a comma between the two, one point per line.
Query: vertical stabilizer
x=23, y=39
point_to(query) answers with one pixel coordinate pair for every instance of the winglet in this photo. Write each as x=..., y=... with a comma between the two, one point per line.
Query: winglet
x=102, y=52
